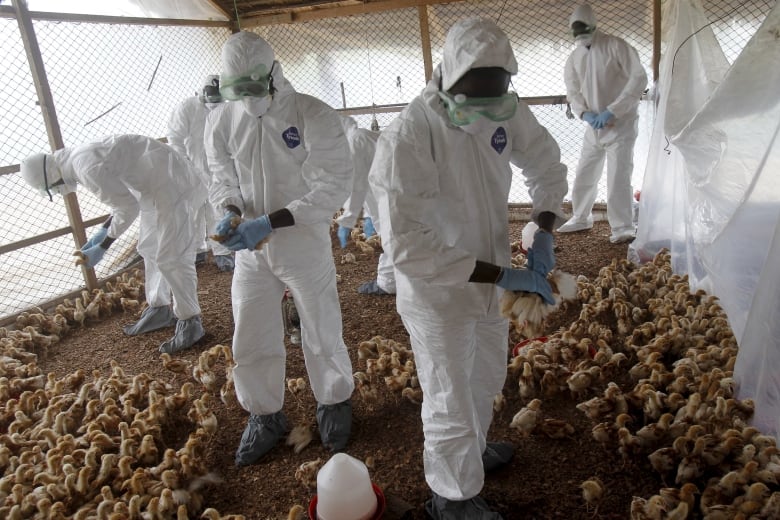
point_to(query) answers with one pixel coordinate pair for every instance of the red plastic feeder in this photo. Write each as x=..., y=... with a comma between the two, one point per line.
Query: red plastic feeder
x=380, y=504
x=518, y=346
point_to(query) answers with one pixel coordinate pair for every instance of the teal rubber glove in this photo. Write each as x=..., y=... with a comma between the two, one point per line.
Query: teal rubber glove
x=590, y=118
x=343, y=234
x=223, y=226
x=96, y=238
x=94, y=255
x=249, y=233
x=603, y=119
x=368, y=227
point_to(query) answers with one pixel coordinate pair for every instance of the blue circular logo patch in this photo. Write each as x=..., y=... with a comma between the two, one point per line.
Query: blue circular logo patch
x=498, y=141
x=291, y=137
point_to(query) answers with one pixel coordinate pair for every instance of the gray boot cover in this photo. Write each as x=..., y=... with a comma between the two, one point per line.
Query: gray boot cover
x=335, y=423
x=224, y=263
x=497, y=455
x=153, y=318
x=188, y=332
x=262, y=432
x=372, y=287
x=439, y=508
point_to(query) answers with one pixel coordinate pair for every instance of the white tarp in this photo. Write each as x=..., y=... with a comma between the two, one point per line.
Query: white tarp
x=176, y=9
x=690, y=68
x=732, y=243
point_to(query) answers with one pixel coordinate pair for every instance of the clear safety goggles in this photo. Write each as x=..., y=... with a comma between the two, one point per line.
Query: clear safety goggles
x=464, y=110
x=581, y=29
x=211, y=94
x=256, y=84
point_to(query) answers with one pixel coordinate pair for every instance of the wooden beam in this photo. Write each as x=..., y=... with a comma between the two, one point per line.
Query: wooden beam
x=11, y=168
x=43, y=237
x=656, y=38
x=425, y=40
x=8, y=12
x=271, y=19
x=230, y=17
x=46, y=101
x=374, y=109
x=343, y=10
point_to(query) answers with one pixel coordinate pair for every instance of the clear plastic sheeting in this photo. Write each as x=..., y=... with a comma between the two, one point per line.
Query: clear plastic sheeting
x=690, y=69
x=732, y=242
x=175, y=9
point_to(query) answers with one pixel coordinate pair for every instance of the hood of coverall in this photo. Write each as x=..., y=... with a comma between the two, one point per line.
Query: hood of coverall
x=211, y=81
x=31, y=170
x=475, y=43
x=350, y=126
x=244, y=52
x=583, y=13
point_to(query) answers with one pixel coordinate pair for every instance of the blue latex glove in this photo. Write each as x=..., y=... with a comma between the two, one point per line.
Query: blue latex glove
x=541, y=260
x=96, y=238
x=223, y=226
x=249, y=233
x=343, y=234
x=602, y=119
x=94, y=255
x=590, y=118
x=368, y=227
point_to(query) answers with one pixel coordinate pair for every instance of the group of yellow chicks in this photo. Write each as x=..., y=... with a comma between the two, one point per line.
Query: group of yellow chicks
x=679, y=352
x=95, y=445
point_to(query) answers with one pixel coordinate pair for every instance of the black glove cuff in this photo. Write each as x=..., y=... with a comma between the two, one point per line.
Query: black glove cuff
x=234, y=209
x=485, y=272
x=281, y=218
x=106, y=243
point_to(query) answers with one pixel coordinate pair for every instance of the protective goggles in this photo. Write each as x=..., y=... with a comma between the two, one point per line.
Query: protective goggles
x=257, y=84
x=580, y=29
x=464, y=110
x=55, y=186
x=211, y=94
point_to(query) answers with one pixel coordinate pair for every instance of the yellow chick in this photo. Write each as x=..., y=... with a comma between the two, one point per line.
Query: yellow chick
x=592, y=493
x=525, y=420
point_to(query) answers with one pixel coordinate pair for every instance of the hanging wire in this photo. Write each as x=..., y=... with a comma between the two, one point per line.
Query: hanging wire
x=235, y=8
x=500, y=12
x=697, y=31
x=374, y=122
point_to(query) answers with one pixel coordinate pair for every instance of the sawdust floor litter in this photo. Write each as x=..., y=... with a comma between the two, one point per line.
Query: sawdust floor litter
x=542, y=482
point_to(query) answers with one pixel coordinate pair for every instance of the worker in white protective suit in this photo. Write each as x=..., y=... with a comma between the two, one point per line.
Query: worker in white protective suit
x=442, y=176
x=604, y=83
x=135, y=174
x=185, y=134
x=281, y=162
x=362, y=143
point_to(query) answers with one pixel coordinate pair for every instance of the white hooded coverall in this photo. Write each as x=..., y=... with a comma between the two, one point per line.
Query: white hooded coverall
x=296, y=157
x=135, y=174
x=442, y=195
x=185, y=135
x=362, y=143
x=606, y=76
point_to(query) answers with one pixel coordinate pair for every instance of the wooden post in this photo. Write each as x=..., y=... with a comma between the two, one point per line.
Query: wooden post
x=52, y=125
x=656, y=38
x=425, y=38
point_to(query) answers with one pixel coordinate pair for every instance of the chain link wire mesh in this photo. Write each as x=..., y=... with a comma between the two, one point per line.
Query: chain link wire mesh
x=105, y=79
x=118, y=79
x=358, y=61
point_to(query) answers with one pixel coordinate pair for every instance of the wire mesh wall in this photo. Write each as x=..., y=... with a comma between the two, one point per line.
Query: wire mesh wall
x=118, y=79
x=105, y=79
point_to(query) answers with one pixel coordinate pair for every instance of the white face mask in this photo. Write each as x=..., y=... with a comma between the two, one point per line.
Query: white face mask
x=480, y=126
x=256, y=107
x=583, y=39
